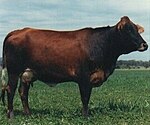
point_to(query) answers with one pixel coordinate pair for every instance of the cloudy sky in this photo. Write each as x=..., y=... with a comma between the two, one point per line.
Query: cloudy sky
x=73, y=14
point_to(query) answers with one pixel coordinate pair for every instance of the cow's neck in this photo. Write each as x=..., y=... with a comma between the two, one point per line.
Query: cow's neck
x=112, y=52
x=105, y=52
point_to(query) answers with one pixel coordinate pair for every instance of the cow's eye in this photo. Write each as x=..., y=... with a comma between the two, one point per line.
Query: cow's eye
x=129, y=31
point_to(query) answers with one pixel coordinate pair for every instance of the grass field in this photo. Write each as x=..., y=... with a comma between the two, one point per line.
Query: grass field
x=123, y=100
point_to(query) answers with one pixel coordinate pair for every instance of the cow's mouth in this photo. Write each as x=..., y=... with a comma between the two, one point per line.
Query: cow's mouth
x=143, y=47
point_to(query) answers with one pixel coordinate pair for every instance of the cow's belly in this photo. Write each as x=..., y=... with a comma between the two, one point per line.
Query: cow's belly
x=49, y=77
x=52, y=81
x=52, y=78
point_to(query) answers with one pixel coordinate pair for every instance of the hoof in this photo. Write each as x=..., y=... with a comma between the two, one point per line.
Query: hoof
x=85, y=114
x=10, y=114
x=27, y=113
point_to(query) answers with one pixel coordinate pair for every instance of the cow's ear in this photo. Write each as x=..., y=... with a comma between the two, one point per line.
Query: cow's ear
x=122, y=22
x=140, y=29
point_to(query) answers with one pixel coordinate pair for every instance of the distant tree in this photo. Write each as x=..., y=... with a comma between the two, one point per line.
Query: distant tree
x=129, y=64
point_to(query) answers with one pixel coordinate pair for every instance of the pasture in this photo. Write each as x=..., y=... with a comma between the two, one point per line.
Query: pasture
x=124, y=99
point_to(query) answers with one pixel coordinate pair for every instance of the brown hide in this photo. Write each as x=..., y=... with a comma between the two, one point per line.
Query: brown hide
x=54, y=56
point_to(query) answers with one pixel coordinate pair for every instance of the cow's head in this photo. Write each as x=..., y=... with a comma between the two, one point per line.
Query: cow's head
x=129, y=33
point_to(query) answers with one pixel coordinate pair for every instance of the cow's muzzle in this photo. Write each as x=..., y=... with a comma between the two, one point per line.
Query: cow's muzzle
x=143, y=47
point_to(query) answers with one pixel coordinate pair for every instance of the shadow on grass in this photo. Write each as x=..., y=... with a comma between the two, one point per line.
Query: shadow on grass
x=40, y=112
x=102, y=108
x=57, y=113
x=118, y=106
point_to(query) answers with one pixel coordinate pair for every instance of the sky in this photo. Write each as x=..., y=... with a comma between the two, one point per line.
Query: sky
x=74, y=14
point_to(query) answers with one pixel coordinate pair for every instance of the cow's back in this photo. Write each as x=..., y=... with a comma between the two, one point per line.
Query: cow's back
x=58, y=54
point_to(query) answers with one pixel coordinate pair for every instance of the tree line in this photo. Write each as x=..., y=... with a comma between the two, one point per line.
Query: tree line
x=132, y=64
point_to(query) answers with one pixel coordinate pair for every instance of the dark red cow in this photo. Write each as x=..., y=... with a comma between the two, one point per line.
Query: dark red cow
x=87, y=56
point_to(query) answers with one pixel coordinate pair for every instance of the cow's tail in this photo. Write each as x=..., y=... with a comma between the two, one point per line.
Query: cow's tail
x=4, y=75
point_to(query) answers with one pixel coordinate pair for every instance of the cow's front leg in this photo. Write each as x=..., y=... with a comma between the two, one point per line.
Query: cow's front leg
x=23, y=91
x=85, y=92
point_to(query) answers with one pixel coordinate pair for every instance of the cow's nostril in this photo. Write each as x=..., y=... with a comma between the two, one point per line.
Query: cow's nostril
x=145, y=45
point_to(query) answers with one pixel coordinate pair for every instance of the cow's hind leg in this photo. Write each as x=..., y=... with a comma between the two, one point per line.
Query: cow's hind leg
x=23, y=91
x=11, y=88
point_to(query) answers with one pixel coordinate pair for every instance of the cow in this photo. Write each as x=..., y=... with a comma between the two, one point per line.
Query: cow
x=86, y=56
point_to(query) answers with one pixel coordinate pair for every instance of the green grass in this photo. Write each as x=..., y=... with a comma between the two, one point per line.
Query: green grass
x=123, y=100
